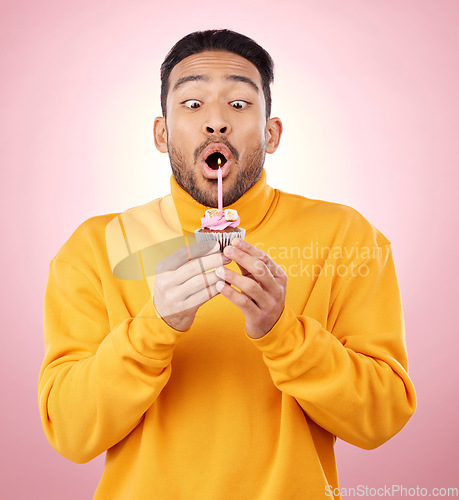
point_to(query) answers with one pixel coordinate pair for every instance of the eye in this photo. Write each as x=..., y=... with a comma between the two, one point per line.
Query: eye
x=192, y=103
x=238, y=104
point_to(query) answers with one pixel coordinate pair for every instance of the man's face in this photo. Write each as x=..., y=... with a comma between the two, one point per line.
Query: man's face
x=216, y=109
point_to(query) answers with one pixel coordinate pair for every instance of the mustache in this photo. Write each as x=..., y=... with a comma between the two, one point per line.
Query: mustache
x=212, y=139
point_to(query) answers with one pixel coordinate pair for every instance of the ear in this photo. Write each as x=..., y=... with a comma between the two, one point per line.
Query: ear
x=273, y=134
x=160, y=134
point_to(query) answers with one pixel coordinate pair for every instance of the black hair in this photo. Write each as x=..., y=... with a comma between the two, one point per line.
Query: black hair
x=227, y=40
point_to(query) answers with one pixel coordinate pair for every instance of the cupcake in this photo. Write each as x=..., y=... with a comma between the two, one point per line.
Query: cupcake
x=220, y=226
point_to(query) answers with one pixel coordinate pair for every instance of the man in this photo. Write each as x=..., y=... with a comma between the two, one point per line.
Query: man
x=209, y=375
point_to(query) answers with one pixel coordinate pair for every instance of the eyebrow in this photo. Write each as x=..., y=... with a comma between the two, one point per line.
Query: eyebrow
x=233, y=78
x=243, y=79
x=190, y=78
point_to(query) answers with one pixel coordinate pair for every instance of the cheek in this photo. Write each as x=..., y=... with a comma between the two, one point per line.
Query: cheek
x=179, y=134
x=251, y=138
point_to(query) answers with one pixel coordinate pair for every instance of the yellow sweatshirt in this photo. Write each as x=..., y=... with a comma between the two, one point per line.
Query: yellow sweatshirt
x=210, y=413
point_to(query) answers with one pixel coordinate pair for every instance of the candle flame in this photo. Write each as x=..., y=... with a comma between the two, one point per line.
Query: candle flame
x=219, y=162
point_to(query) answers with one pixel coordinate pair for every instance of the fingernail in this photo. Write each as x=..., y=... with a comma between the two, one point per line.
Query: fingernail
x=219, y=286
x=229, y=251
x=220, y=272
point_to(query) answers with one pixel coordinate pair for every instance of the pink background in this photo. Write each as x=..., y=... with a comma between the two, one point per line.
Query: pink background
x=367, y=91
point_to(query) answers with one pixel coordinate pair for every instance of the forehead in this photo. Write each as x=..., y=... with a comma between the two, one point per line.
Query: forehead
x=214, y=64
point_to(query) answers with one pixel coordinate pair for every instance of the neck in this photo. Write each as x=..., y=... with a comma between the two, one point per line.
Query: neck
x=252, y=206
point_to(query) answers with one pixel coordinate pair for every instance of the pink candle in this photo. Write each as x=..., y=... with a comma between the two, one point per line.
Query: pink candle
x=220, y=189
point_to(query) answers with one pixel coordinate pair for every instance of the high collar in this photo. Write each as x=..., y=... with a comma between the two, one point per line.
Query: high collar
x=252, y=207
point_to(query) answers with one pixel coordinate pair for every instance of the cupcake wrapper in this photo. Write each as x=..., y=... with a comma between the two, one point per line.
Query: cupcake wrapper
x=223, y=238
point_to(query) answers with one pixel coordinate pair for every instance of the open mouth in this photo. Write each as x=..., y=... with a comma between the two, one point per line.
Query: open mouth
x=212, y=160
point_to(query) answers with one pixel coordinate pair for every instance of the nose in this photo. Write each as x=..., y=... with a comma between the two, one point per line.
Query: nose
x=216, y=123
x=221, y=130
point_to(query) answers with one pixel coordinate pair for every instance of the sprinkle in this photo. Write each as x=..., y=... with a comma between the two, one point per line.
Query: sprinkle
x=211, y=212
x=230, y=215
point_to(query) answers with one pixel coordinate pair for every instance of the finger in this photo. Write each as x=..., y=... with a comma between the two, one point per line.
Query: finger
x=198, y=283
x=245, y=246
x=256, y=267
x=179, y=299
x=186, y=254
x=201, y=297
x=240, y=300
x=248, y=286
x=197, y=267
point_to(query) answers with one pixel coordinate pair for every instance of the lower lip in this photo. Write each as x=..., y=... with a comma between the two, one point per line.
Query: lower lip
x=210, y=173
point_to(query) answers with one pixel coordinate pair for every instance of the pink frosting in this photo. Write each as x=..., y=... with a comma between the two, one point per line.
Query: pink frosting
x=218, y=222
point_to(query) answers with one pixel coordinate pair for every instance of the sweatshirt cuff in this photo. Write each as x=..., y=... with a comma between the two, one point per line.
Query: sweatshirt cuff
x=283, y=336
x=151, y=336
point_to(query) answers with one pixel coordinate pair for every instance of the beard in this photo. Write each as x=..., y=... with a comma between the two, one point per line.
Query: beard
x=246, y=176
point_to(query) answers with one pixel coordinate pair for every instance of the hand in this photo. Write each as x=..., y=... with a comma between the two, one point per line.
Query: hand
x=183, y=282
x=263, y=285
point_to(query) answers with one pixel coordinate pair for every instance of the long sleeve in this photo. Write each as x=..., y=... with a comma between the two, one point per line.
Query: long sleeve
x=350, y=374
x=172, y=408
x=95, y=383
